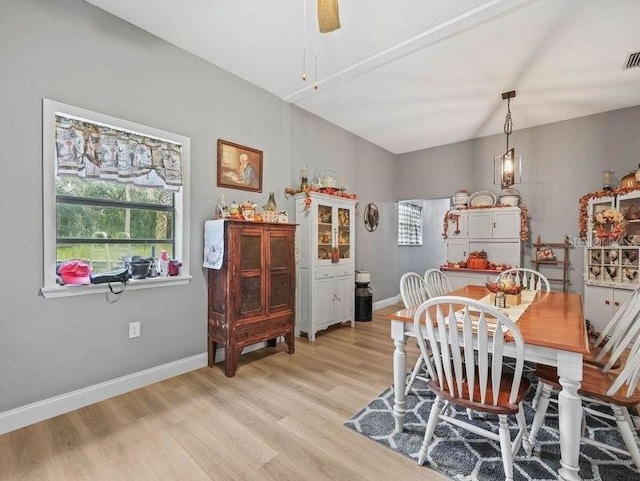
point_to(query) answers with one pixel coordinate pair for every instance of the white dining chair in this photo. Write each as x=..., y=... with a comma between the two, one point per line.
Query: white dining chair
x=613, y=393
x=531, y=280
x=413, y=290
x=610, y=339
x=466, y=341
x=528, y=278
x=437, y=283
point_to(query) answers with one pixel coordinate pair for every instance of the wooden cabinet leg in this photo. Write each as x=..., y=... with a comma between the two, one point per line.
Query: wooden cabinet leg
x=290, y=338
x=231, y=356
x=211, y=349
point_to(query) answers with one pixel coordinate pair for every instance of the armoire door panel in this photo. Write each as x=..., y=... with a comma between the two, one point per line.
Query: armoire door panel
x=250, y=295
x=250, y=252
x=278, y=250
x=281, y=290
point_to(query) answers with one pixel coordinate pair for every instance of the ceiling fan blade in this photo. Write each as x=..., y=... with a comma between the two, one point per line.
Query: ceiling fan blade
x=328, y=16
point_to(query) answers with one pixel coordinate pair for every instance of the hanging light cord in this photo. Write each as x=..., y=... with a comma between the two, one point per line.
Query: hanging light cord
x=315, y=79
x=304, y=40
x=508, y=122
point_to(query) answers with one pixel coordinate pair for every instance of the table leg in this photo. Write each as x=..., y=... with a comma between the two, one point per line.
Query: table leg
x=399, y=373
x=570, y=414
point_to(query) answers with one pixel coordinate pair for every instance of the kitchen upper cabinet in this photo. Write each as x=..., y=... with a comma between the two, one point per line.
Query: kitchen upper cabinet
x=479, y=225
x=503, y=223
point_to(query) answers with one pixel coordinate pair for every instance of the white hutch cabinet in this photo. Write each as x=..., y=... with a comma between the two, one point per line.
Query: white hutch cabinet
x=326, y=290
x=494, y=230
x=611, y=269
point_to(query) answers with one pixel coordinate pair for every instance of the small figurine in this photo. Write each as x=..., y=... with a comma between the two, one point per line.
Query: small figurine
x=630, y=274
x=546, y=254
x=283, y=217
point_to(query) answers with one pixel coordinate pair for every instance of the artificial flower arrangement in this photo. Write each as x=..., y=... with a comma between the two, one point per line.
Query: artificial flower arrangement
x=506, y=285
x=511, y=289
x=321, y=190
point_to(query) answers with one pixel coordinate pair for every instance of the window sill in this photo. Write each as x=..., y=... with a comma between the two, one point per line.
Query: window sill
x=133, y=285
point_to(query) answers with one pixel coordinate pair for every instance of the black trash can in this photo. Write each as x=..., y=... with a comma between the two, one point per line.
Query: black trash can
x=364, y=303
x=364, y=297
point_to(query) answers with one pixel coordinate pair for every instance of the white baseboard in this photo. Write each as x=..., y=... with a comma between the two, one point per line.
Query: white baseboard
x=387, y=302
x=39, y=411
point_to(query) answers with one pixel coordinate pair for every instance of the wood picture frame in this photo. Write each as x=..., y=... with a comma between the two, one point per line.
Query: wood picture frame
x=239, y=167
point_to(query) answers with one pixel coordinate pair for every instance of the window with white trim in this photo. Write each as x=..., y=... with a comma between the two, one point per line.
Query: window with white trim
x=113, y=190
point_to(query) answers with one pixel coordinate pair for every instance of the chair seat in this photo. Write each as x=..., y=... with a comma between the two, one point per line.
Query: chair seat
x=595, y=384
x=591, y=358
x=503, y=405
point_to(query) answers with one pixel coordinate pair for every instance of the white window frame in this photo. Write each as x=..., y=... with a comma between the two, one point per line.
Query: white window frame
x=50, y=288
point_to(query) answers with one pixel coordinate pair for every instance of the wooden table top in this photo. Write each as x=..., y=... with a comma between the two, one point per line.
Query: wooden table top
x=554, y=319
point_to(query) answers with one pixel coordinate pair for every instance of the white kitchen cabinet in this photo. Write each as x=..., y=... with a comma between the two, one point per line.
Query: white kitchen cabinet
x=601, y=303
x=495, y=230
x=479, y=224
x=326, y=263
x=457, y=249
x=611, y=266
x=503, y=223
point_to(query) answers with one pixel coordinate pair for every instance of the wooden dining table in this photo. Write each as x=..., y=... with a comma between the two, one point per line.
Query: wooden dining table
x=554, y=334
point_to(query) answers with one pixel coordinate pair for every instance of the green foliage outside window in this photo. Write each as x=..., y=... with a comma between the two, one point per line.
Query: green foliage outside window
x=104, y=222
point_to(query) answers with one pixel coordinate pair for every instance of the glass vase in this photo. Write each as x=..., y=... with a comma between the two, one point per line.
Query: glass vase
x=271, y=203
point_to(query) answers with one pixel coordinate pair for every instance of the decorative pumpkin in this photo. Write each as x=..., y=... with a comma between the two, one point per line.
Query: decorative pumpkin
x=477, y=260
x=475, y=263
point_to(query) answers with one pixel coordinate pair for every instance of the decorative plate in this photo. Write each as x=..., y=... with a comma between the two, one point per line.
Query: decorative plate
x=484, y=198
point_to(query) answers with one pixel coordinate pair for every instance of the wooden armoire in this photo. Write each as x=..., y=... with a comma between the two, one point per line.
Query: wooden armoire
x=252, y=296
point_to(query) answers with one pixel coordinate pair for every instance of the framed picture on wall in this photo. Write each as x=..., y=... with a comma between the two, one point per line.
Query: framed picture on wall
x=239, y=167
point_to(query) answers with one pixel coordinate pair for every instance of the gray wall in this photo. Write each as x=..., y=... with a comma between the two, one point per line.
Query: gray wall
x=560, y=163
x=370, y=172
x=72, y=52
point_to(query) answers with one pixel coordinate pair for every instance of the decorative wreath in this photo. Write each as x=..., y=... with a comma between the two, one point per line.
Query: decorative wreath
x=583, y=219
x=609, y=224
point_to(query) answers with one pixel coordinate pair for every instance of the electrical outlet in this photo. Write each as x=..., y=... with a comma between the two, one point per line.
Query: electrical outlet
x=134, y=329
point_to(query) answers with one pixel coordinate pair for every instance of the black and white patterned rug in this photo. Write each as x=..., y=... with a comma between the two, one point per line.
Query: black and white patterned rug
x=462, y=455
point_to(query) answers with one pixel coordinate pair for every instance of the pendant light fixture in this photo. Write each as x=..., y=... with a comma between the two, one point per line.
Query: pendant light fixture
x=507, y=166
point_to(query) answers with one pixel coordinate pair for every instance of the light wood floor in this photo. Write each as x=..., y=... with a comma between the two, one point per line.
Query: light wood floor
x=280, y=418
